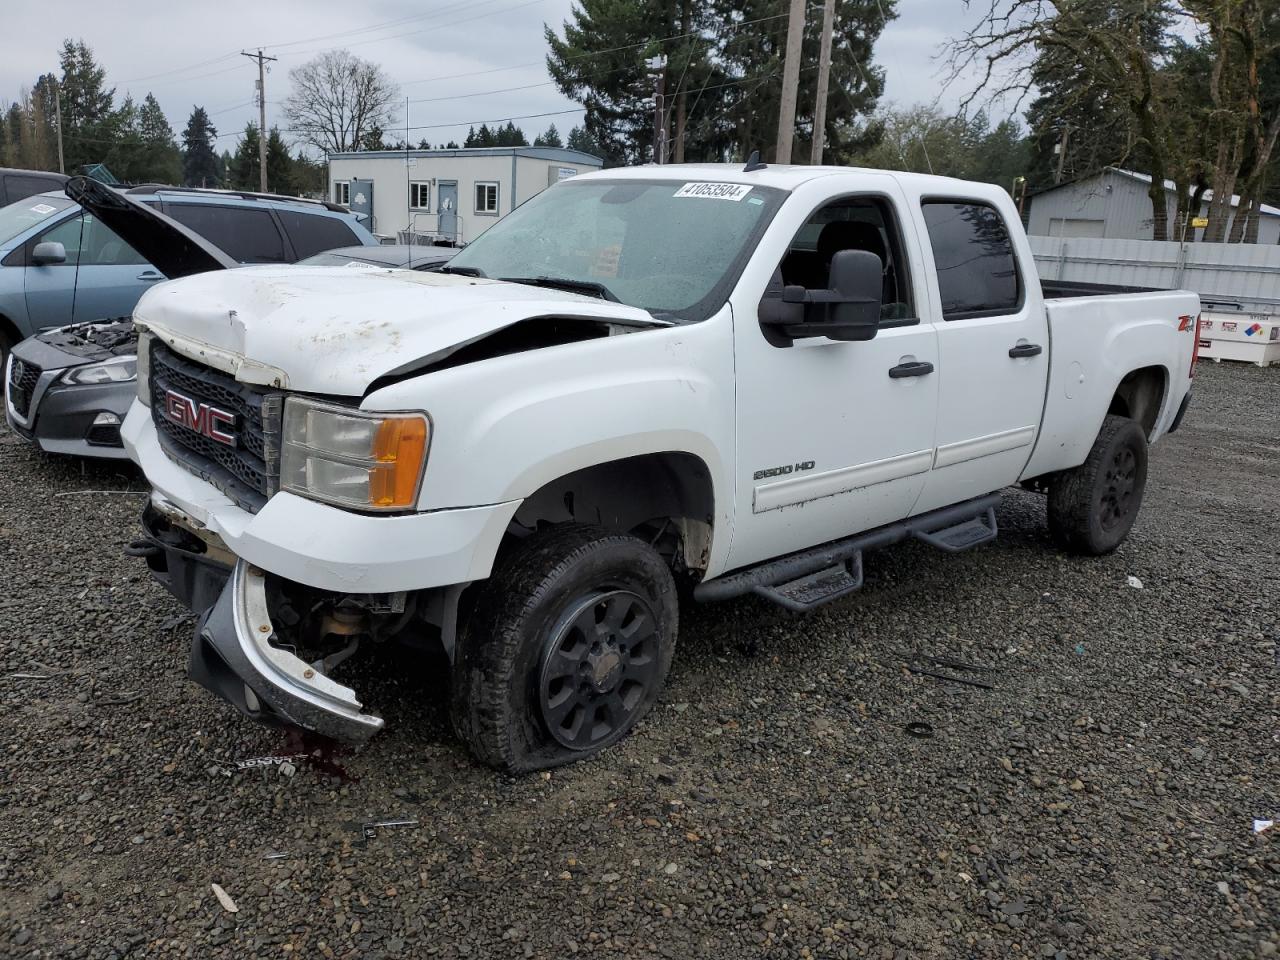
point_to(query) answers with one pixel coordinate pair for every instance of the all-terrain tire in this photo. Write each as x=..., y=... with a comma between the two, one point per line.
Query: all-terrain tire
x=528, y=621
x=1093, y=507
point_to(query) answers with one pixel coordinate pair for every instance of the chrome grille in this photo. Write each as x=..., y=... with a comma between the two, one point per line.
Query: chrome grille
x=246, y=472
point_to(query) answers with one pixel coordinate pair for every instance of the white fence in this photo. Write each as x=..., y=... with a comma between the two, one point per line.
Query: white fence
x=1244, y=273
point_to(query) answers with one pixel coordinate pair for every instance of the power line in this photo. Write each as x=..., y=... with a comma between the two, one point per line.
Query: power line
x=190, y=66
x=595, y=53
x=381, y=26
x=413, y=33
x=532, y=86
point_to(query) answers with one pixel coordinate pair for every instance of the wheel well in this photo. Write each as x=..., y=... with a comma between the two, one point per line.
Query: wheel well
x=9, y=333
x=667, y=498
x=1140, y=396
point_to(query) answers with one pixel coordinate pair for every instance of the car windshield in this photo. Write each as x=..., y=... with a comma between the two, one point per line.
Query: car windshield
x=19, y=217
x=671, y=247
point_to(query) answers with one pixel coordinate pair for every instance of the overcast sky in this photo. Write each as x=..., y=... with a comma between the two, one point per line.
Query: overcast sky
x=456, y=60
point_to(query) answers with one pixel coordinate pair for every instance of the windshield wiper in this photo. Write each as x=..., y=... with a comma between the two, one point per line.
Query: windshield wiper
x=564, y=283
x=464, y=271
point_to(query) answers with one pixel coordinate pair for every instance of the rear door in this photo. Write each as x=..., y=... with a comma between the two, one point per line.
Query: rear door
x=993, y=348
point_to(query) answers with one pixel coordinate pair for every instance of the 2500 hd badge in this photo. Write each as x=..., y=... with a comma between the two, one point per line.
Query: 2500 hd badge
x=783, y=470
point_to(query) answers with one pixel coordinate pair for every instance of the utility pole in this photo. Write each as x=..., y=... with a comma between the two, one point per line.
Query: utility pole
x=1062, y=152
x=659, y=66
x=824, y=81
x=790, y=82
x=57, y=107
x=262, y=114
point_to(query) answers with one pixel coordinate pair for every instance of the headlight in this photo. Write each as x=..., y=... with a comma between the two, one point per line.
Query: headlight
x=144, y=367
x=347, y=457
x=117, y=370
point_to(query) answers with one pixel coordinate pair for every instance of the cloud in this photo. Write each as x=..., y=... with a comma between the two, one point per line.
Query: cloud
x=459, y=62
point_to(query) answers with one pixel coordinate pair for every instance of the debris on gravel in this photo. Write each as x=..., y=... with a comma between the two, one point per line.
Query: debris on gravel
x=1098, y=800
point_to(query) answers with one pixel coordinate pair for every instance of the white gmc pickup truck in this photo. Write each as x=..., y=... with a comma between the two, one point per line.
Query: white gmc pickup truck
x=735, y=379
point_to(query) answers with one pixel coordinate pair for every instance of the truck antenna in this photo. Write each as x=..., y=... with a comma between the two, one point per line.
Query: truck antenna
x=754, y=162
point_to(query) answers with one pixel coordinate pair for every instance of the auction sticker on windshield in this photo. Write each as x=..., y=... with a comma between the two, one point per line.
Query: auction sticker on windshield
x=715, y=191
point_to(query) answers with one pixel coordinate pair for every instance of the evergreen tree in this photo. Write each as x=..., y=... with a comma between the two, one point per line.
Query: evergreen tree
x=200, y=164
x=471, y=138
x=242, y=172
x=583, y=142
x=160, y=160
x=451, y=145
x=310, y=177
x=601, y=62
x=549, y=139
x=509, y=136
x=90, y=124
x=125, y=151
x=280, y=175
x=722, y=75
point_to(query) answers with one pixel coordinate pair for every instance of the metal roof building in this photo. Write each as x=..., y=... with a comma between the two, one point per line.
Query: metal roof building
x=1113, y=204
x=449, y=195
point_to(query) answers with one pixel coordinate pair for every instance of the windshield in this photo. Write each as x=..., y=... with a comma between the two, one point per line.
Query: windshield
x=19, y=217
x=666, y=246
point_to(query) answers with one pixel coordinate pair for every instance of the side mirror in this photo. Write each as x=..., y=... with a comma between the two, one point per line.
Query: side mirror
x=848, y=311
x=48, y=252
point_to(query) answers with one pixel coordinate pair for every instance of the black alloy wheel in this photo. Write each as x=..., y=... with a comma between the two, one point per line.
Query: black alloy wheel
x=601, y=664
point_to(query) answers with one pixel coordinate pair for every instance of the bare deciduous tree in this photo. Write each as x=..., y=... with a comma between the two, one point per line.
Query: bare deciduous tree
x=1194, y=105
x=337, y=100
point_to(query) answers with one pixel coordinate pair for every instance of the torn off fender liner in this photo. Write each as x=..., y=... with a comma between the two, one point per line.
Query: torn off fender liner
x=232, y=657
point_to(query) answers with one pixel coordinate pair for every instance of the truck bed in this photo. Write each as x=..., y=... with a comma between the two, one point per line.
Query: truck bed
x=1098, y=335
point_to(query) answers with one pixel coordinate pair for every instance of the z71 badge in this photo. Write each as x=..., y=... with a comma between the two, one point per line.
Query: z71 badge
x=783, y=470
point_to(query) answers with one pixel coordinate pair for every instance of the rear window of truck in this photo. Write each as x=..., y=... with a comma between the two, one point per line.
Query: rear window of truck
x=973, y=256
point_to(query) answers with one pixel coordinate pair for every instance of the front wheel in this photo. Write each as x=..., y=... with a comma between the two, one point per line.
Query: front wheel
x=567, y=649
x=1093, y=507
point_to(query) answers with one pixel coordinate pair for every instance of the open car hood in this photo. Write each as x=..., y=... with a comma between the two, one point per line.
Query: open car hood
x=167, y=245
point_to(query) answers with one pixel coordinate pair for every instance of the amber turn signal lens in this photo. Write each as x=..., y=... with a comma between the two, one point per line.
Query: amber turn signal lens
x=399, y=450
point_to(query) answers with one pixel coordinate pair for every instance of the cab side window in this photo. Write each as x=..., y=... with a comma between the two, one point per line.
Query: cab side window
x=853, y=223
x=973, y=255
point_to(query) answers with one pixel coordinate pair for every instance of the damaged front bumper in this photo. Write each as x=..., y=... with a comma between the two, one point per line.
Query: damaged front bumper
x=232, y=655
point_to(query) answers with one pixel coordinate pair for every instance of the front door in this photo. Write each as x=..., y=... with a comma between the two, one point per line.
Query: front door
x=447, y=219
x=993, y=344
x=102, y=278
x=834, y=438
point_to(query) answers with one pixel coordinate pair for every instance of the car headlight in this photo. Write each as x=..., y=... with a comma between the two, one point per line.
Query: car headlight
x=144, y=367
x=116, y=370
x=350, y=458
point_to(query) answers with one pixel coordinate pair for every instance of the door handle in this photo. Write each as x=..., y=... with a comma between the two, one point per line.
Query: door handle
x=916, y=368
x=150, y=275
x=1026, y=350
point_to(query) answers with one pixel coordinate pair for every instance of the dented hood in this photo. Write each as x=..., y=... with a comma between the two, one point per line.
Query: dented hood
x=335, y=330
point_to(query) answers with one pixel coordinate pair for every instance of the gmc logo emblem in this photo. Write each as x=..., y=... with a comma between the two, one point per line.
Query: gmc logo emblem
x=203, y=419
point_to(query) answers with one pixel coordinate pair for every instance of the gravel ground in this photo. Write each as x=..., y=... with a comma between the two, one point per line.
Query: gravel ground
x=1097, y=802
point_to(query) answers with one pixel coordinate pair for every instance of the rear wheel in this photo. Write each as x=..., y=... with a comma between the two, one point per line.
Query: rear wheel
x=567, y=649
x=1093, y=507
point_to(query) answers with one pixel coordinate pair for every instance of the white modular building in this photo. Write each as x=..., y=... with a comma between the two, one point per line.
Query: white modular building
x=449, y=196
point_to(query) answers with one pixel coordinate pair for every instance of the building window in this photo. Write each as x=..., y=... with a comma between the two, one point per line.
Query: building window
x=342, y=192
x=420, y=195
x=487, y=198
